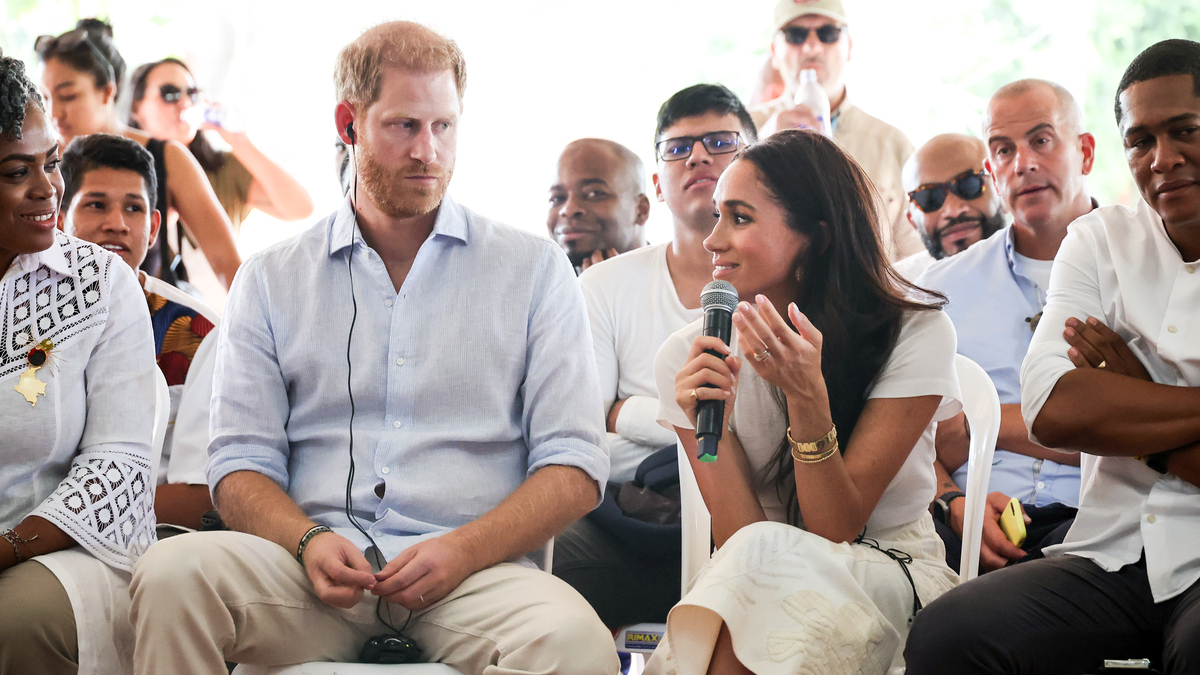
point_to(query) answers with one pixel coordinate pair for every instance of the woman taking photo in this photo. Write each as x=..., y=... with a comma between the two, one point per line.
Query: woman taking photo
x=82, y=71
x=243, y=178
x=820, y=491
x=77, y=395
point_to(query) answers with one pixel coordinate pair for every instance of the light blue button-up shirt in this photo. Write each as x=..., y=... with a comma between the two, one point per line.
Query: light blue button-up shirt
x=473, y=376
x=991, y=302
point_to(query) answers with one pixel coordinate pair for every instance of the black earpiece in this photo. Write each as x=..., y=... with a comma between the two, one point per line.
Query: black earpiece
x=350, y=133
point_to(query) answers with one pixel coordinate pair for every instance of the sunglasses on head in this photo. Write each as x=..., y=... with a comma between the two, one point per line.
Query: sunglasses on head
x=931, y=196
x=171, y=94
x=798, y=35
x=48, y=44
x=680, y=147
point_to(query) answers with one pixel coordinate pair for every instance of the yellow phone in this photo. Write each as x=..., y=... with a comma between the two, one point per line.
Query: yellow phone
x=1012, y=522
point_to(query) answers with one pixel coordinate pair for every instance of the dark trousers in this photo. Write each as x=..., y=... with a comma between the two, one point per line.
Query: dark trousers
x=625, y=586
x=1057, y=616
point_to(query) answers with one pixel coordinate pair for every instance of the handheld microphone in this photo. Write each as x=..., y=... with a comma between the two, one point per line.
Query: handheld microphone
x=718, y=300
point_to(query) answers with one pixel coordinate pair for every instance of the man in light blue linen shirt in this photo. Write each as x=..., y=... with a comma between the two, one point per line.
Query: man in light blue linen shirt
x=443, y=352
x=1039, y=156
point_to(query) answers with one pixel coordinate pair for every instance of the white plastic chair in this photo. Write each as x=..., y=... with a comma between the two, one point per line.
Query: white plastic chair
x=982, y=407
x=162, y=413
x=335, y=668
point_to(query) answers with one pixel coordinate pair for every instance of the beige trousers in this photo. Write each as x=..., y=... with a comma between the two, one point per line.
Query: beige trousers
x=210, y=597
x=37, y=625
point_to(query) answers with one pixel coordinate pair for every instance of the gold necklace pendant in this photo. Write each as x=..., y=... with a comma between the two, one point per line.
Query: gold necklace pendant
x=30, y=386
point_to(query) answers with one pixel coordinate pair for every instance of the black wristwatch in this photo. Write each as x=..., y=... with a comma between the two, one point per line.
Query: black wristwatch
x=1158, y=461
x=941, y=505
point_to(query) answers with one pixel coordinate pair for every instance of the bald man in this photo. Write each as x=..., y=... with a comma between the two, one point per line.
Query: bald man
x=1039, y=156
x=952, y=202
x=598, y=202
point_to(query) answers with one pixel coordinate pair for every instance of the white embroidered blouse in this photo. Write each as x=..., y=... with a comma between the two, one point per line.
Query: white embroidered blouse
x=80, y=456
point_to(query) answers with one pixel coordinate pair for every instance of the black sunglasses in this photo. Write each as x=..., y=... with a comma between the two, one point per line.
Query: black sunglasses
x=171, y=94
x=798, y=35
x=931, y=196
x=49, y=44
x=680, y=147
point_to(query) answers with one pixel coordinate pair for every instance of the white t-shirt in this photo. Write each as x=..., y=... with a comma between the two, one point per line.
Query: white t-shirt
x=1118, y=265
x=914, y=265
x=1038, y=271
x=633, y=308
x=921, y=364
x=185, y=446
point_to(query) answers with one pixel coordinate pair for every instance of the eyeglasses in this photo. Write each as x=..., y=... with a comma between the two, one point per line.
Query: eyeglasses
x=931, y=196
x=798, y=35
x=68, y=41
x=171, y=94
x=716, y=143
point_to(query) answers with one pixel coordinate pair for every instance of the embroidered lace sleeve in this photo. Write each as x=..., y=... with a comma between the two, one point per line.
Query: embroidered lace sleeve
x=106, y=501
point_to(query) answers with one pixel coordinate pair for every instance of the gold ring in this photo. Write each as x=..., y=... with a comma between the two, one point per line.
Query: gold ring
x=695, y=396
x=763, y=355
x=1102, y=364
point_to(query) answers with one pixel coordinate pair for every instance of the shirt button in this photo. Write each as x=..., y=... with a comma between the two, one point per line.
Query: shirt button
x=396, y=424
x=399, y=362
x=387, y=303
x=1171, y=329
x=1150, y=519
x=1191, y=269
x=1041, y=485
x=385, y=471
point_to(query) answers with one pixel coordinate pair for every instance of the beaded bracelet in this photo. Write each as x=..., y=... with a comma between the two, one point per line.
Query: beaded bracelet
x=308, y=536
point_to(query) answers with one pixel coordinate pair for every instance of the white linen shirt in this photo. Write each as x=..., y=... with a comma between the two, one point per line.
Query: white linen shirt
x=80, y=457
x=1118, y=265
x=633, y=308
x=469, y=379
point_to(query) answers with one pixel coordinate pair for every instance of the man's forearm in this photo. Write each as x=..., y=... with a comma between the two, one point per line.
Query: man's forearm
x=545, y=504
x=1108, y=414
x=1014, y=437
x=252, y=503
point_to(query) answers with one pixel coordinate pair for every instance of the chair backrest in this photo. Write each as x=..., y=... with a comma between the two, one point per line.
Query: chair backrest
x=982, y=407
x=696, y=522
x=162, y=411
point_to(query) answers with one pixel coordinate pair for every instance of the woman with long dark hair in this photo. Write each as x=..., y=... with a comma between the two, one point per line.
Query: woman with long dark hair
x=82, y=70
x=243, y=178
x=820, y=491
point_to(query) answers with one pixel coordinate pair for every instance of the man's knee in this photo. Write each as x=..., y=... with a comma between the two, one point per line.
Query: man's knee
x=942, y=633
x=576, y=642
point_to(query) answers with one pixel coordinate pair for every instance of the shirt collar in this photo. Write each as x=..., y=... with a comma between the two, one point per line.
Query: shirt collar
x=451, y=222
x=53, y=257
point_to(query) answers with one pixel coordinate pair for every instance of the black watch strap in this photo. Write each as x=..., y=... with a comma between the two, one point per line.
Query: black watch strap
x=1158, y=461
x=946, y=497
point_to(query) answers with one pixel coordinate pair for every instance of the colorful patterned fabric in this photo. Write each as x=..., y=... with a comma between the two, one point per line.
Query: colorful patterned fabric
x=178, y=330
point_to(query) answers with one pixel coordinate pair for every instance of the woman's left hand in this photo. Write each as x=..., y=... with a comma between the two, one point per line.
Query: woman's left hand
x=789, y=359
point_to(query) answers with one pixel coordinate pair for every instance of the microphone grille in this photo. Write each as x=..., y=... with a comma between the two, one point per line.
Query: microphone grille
x=719, y=294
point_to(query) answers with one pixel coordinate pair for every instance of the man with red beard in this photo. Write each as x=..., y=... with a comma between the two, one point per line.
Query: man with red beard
x=1039, y=156
x=429, y=355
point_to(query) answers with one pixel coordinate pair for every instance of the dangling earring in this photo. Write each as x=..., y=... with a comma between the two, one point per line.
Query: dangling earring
x=799, y=274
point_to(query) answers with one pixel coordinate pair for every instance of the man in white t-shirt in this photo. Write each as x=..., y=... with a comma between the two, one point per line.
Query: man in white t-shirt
x=1113, y=371
x=598, y=202
x=108, y=199
x=635, y=301
x=1039, y=155
x=952, y=201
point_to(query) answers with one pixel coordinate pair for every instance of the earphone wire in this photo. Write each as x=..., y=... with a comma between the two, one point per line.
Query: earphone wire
x=350, y=393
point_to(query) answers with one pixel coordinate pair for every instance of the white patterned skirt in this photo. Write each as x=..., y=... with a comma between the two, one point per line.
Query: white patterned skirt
x=796, y=602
